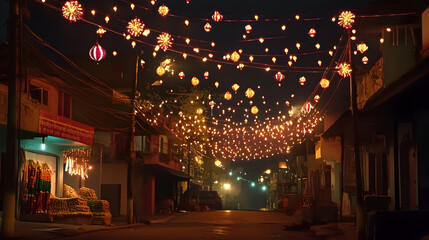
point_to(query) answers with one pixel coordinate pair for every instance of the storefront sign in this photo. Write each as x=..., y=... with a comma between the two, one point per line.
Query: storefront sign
x=62, y=127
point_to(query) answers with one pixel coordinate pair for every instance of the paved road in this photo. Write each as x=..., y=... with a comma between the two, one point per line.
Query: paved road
x=225, y=224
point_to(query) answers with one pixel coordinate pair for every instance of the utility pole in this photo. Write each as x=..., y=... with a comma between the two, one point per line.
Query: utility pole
x=360, y=214
x=10, y=163
x=132, y=156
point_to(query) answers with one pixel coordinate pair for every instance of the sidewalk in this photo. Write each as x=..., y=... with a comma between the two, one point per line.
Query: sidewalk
x=42, y=230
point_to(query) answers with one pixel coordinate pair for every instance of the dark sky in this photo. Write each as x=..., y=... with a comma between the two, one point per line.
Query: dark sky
x=75, y=40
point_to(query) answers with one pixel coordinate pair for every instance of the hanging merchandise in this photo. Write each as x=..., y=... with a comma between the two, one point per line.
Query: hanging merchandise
x=36, y=191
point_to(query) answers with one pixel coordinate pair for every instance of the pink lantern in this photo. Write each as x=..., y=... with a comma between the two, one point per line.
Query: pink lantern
x=97, y=53
x=279, y=76
x=302, y=80
x=206, y=75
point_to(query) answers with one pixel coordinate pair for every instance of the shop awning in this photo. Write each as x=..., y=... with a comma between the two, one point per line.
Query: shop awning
x=164, y=172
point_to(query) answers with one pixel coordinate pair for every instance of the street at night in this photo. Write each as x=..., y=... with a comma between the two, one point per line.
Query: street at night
x=214, y=119
x=210, y=225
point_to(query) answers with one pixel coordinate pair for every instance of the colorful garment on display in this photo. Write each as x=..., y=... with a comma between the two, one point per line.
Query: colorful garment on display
x=36, y=186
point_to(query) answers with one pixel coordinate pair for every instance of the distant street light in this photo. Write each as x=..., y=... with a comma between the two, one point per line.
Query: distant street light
x=227, y=186
x=230, y=173
x=252, y=184
x=268, y=171
x=238, y=178
x=264, y=188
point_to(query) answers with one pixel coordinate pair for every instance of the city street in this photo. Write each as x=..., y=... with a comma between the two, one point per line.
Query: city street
x=210, y=225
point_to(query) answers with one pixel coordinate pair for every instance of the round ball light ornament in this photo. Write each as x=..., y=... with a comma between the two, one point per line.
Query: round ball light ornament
x=163, y=10
x=254, y=110
x=228, y=96
x=279, y=77
x=181, y=75
x=365, y=60
x=344, y=69
x=362, y=47
x=235, y=87
x=302, y=80
x=249, y=93
x=160, y=71
x=316, y=98
x=195, y=81
x=248, y=28
x=324, y=83
x=308, y=107
x=97, y=53
x=199, y=111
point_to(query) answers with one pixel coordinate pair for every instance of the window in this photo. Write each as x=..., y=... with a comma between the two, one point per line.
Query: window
x=163, y=144
x=64, y=105
x=141, y=143
x=39, y=94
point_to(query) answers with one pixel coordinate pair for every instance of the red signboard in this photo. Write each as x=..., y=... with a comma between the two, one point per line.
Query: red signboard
x=62, y=127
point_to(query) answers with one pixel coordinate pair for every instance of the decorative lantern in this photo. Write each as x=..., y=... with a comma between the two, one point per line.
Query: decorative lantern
x=212, y=104
x=219, y=66
x=163, y=10
x=317, y=45
x=316, y=98
x=235, y=87
x=308, y=107
x=227, y=96
x=298, y=45
x=324, y=83
x=235, y=56
x=97, y=53
x=72, y=11
x=344, y=69
x=279, y=76
x=302, y=80
x=254, y=110
x=217, y=17
x=135, y=27
x=346, y=19
x=142, y=63
x=240, y=66
x=195, y=81
x=286, y=50
x=365, y=60
x=274, y=59
x=160, y=71
x=251, y=58
x=206, y=75
x=101, y=31
x=181, y=75
x=287, y=103
x=200, y=111
x=248, y=28
x=207, y=27
x=319, y=62
x=249, y=93
x=362, y=47
x=312, y=32
x=165, y=41
x=216, y=84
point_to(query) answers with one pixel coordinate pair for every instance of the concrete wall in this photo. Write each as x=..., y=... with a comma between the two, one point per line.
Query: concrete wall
x=116, y=173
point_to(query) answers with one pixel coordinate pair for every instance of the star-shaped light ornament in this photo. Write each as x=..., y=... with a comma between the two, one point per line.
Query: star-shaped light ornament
x=346, y=19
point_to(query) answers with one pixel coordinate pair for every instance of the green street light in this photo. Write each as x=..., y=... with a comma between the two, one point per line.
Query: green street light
x=264, y=188
x=238, y=178
x=230, y=173
x=252, y=184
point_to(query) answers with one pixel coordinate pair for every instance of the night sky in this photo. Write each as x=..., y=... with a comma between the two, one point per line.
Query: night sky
x=75, y=39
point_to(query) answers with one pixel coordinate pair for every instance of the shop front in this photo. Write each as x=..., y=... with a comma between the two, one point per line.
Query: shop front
x=53, y=166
